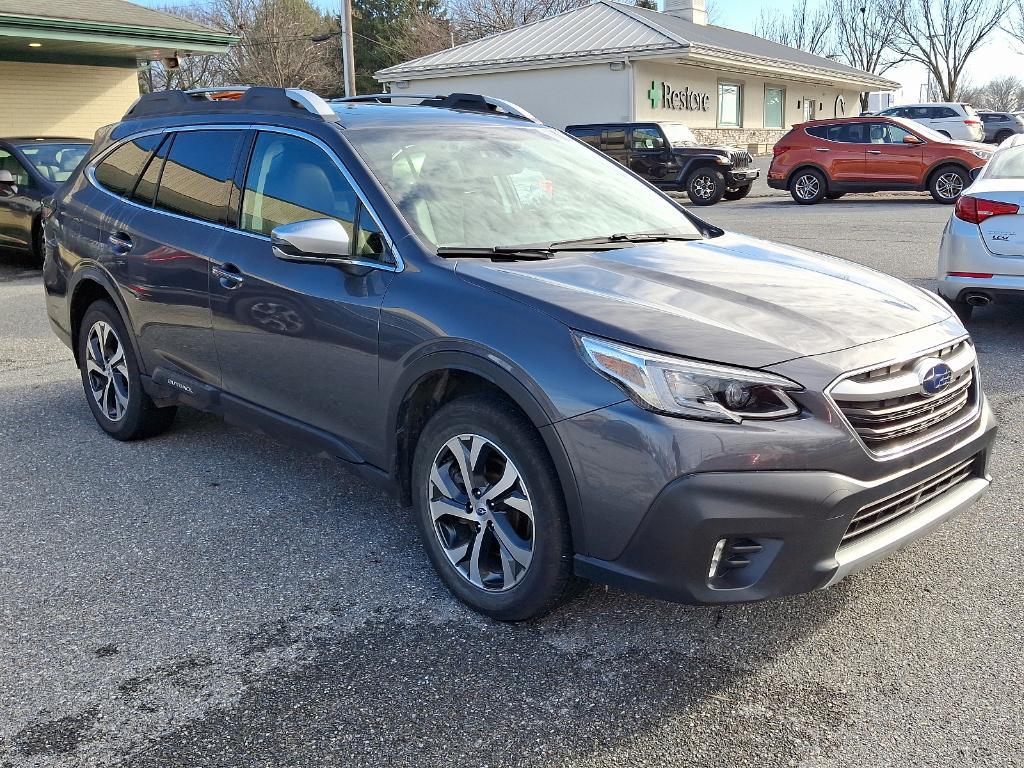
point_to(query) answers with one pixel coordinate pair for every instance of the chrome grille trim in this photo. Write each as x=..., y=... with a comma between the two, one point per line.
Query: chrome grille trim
x=907, y=501
x=884, y=406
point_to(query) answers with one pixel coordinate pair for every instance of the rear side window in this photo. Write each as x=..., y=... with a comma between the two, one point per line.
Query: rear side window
x=197, y=174
x=943, y=113
x=117, y=173
x=9, y=162
x=845, y=133
x=145, y=190
x=290, y=179
x=613, y=139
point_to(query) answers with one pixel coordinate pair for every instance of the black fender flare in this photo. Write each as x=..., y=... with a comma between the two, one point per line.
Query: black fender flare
x=497, y=370
x=92, y=272
x=691, y=164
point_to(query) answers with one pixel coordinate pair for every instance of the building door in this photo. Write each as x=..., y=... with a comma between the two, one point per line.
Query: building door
x=809, y=109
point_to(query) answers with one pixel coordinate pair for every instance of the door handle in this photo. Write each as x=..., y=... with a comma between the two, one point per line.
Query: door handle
x=120, y=243
x=229, y=275
x=874, y=151
x=822, y=149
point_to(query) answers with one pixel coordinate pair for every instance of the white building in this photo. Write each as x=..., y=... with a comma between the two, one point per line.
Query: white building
x=614, y=62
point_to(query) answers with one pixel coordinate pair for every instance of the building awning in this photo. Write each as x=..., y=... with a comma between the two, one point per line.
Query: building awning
x=610, y=31
x=99, y=31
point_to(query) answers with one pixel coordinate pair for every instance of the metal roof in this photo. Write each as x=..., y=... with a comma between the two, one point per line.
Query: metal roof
x=608, y=29
x=104, y=11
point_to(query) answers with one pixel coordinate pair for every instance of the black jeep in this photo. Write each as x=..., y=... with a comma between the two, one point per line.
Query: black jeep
x=669, y=156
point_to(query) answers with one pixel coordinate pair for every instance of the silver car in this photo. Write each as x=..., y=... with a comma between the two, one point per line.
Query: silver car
x=999, y=126
x=981, y=258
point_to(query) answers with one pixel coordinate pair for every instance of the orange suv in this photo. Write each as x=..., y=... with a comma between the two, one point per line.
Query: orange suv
x=828, y=158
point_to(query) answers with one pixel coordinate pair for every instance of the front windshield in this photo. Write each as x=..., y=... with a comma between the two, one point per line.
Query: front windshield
x=487, y=185
x=678, y=134
x=1006, y=164
x=54, y=161
x=921, y=130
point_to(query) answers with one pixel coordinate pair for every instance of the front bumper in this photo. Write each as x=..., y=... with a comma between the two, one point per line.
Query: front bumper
x=797, y=518
x=742, y=178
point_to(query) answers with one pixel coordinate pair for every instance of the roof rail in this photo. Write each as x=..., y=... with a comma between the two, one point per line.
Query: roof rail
x=229, y=98
x=473, y=102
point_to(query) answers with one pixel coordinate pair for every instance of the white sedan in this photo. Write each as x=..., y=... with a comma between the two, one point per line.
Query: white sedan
x=981, y=258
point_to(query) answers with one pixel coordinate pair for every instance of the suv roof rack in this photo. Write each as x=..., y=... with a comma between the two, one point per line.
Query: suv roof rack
x=229, y=98
x=473, y=102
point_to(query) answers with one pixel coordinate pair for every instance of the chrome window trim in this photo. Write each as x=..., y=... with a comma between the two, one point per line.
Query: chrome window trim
x=90, y=174
x=969, y=417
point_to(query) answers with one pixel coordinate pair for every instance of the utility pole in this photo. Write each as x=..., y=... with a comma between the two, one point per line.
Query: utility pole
x=347, y=56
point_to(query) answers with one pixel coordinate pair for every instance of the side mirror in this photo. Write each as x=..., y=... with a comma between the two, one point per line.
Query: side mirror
x=321, y=241
x=911, y=139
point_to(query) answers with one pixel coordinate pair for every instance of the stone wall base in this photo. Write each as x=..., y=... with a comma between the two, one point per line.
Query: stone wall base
x=757, y=141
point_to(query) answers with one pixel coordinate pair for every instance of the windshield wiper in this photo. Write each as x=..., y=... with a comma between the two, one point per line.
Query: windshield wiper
x=503, y=252
x=623, y=237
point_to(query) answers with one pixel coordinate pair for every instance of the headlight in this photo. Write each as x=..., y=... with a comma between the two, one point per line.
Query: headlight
x=682, y=387
x=981, y=153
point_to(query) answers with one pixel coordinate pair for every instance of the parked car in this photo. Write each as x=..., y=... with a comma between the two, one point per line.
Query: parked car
x=981, y=259
x=828, y=158
x=585, y=380
x=669, y=156
x=999, y=126
x=952, y=120
x=30, y=170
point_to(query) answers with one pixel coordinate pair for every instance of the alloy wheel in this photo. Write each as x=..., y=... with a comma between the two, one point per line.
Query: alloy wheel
x=107, y=370
x=807, y=187
x=481, y=512
x=949, y=185
x=704, y=187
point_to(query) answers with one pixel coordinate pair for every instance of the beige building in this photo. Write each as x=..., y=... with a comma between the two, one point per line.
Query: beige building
x=69, y=66
x=613, y=62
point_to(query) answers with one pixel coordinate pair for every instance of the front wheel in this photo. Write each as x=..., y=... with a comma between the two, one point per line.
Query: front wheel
x=808, y=187
x=490, y=509
x=947, y=183
x=739, y=193
x=705, y=186
x=110, y=376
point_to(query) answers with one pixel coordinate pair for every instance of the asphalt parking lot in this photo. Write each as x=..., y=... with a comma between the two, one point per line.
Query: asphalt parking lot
x=195, y=601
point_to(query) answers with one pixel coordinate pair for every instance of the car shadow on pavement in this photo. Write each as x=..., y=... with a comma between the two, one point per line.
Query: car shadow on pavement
x=224, y=600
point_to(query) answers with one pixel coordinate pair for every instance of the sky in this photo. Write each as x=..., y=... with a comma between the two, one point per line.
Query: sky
x=1001, y=55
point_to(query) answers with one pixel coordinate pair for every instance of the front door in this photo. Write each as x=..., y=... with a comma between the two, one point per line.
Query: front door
x=889, y=160
x=17, y=204
x=299, y=339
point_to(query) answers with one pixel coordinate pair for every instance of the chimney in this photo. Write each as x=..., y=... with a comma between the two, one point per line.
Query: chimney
x=687, y=10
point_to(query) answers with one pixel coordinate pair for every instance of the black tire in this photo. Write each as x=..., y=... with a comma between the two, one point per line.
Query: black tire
x=548, y=576
x=37, y=243
x=962, y=309
x=947, y=182
x=1003, y=136
x=135, y=416
x=739, y=193
x=834, y=195
x=808, y=186
x=705, y=186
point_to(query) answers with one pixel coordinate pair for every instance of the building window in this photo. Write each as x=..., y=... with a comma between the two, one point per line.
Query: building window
x=730, y=105
x=774, y=107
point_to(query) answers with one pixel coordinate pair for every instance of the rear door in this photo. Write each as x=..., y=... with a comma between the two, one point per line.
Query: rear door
x=300, y=339
x=613, y=143
x=177, y=228
x=840, y=150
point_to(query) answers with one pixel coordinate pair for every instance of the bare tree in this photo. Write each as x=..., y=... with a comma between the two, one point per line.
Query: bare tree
x=479, y=18
x=1002, y=94
x=943, y=35
x=805, y=26
x=864, y=37
x=192, y=71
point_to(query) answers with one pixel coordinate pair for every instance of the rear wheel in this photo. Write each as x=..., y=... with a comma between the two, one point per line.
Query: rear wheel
x=1003, y=136
x=110, y=376
x=705, y=186
x=738, y=193
x=808, y=186
x=490, y=509
x=947, y=183
x=946, y=134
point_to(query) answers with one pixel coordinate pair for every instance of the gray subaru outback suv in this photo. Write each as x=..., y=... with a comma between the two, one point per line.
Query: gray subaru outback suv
x=563, y=372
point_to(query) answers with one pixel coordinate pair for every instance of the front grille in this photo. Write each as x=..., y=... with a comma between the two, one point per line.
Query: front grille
x=890, y=509
x=890, y=413
x=741, y=160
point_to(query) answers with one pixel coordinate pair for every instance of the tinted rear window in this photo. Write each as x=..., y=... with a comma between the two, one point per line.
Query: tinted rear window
x=1008, y=164
x=118, y=172
x=591, y=136
x=846, y=133
x=197, y=174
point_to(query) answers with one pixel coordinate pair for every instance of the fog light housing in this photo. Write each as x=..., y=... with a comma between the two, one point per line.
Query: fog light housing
x=716, y=558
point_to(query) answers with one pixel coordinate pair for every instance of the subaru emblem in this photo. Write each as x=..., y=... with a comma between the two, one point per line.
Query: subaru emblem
x=934, y=376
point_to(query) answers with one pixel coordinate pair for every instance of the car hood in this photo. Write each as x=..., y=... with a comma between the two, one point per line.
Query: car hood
x=689, y=149
x=969, y=145
x=730, y=299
